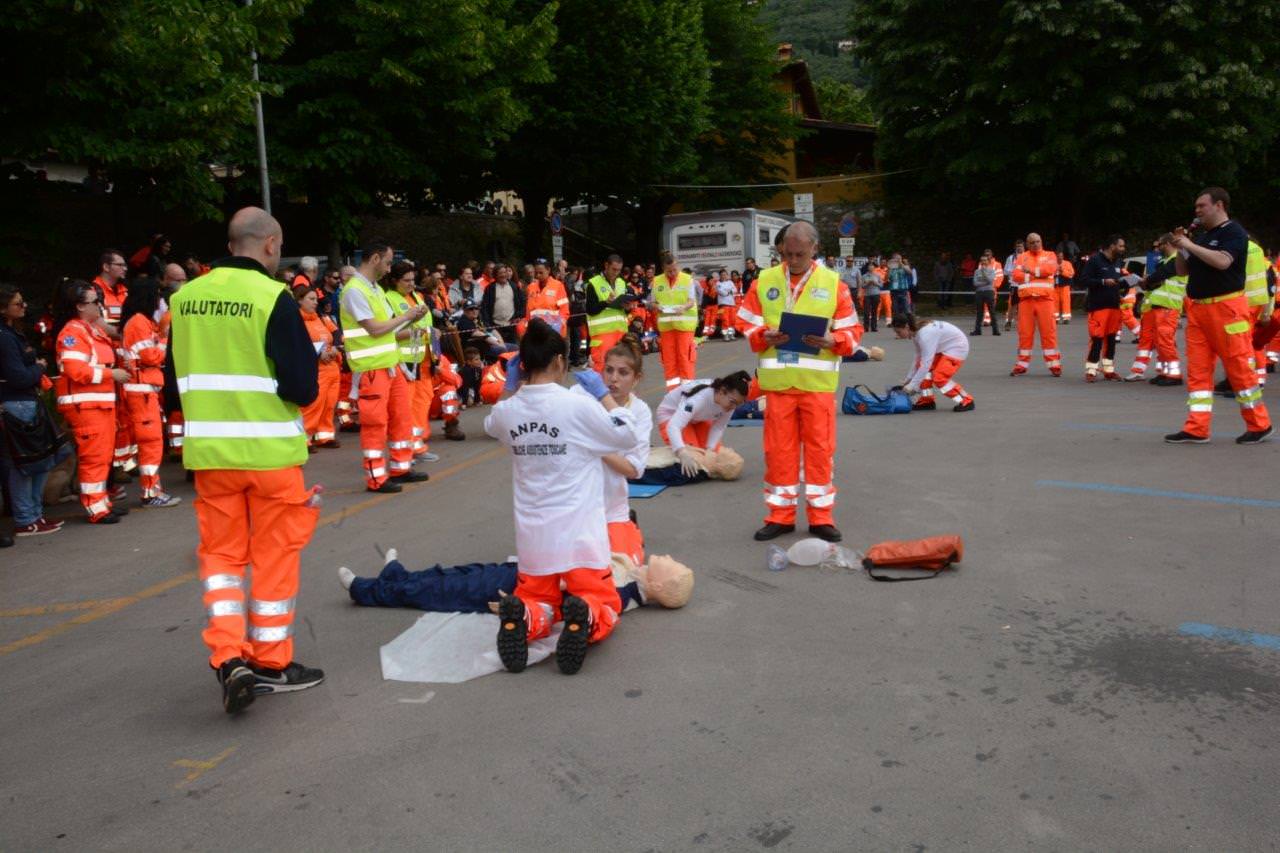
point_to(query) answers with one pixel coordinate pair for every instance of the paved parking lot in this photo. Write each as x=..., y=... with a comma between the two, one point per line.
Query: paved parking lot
x=1102, y=672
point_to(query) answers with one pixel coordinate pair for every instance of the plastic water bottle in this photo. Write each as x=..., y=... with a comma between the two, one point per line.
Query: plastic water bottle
x=840, y=558
x=808, y=552
x=317, y=497
x=776, y=559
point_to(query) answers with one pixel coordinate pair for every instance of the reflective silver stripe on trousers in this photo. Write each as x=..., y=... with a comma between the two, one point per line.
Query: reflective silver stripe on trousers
x=225, y=608
x=264, y=607
x=272, y=634
x=216, y=582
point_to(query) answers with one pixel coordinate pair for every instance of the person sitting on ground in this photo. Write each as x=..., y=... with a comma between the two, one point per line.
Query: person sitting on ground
x=696, y=414
x=940, y=350
x=623, y=370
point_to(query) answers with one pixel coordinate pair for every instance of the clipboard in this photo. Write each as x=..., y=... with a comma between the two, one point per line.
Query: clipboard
x=796, y=326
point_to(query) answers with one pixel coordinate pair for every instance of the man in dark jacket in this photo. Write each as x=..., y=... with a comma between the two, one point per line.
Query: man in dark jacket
x=503, y=304
x=1104, y=275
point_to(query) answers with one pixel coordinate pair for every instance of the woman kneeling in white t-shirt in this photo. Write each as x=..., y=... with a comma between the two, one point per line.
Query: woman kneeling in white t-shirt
x=697, y=413
x=557, y=438
x=940, y=350
x=623, y=369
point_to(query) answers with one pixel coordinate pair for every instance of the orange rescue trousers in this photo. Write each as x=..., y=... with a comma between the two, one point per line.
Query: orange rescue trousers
x=259, y=518
x=799, y=424
x=679, y=357
x=694, y=434
x=594, y=586
x=386, y=425
x=941, y=376
x=625, y=538
x=1221, y=330
x=317, y=418
x=148, y=432
x=1159, y=334
x=95, y=434
x=422, y=392
x=1036, y=314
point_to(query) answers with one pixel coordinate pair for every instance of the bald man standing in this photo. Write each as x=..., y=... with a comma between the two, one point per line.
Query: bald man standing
x=242, y=362
x=799, y=387
x=1033, y=276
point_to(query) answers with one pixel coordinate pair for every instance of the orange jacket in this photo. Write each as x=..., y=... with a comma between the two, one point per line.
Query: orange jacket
x=547, y=300
x=492, y=382
x=85, y=358
x=112, y=299
x=1065, y=271
x=320, y=328
x=1033, y=274
x=144, y=355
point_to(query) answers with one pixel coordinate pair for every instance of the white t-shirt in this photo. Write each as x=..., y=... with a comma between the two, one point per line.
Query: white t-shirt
x=616, y=506
x=725, y=292
x=354, y=303
x=934, y=338
x=557, y=437
x=678, y=411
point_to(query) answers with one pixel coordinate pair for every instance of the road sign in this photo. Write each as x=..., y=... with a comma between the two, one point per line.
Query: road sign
x=557, y=248
x=557, y=225
x=848, y=225
x=803, y=206
x=846, y=245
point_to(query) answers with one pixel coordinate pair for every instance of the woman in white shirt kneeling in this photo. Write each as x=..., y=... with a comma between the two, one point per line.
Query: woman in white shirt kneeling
x=697, y=413
x=940, y=350
x=557, y=439
x=623, y=369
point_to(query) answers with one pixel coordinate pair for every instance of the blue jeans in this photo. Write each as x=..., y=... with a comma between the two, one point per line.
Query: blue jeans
x=26, y=484
x=901, y=301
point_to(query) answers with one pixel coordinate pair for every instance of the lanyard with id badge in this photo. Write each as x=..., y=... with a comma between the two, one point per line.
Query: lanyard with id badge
x=796, y=326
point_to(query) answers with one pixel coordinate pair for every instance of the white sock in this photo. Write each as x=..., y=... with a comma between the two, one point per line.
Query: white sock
x=345, y=577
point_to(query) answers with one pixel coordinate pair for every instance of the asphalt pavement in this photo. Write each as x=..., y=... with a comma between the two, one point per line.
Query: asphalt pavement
x=1102, y=671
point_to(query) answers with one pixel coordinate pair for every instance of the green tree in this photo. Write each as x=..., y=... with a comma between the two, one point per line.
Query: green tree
x=843, y=102
x=1061, y=110
x=400, y=101
x=148, y=92
x=627, y=103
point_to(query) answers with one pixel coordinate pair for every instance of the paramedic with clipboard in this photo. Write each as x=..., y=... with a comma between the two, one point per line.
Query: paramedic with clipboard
x=799, y=376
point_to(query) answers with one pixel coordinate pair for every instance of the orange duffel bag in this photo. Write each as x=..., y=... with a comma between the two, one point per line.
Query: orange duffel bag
x=934, y=554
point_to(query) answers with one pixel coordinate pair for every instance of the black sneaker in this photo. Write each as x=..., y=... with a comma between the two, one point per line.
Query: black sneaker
x=292, y=678
x=107, y=519
x=1254, y=436
x=1166, y=381
x=826, y=532
x=513, y=634
x=773, y=531
x=571, y=649
x=237, y=682
x=412, y=477
x=1184, y=437
x=389, y=487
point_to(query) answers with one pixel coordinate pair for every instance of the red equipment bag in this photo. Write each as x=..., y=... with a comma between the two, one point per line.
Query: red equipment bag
x=933, y=554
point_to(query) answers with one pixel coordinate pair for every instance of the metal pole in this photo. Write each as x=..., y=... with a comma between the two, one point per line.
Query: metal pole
x=263, y=176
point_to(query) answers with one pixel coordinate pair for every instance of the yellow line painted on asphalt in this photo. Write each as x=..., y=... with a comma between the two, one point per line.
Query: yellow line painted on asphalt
x=113, y=605
x=106, y=607
x=49, y=609
x=199, y=768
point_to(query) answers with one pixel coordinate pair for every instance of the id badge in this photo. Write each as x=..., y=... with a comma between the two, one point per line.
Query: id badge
x=788, y=357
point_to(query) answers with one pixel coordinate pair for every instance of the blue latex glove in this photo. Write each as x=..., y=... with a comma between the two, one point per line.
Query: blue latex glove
x=513, y=374
x=592, y=383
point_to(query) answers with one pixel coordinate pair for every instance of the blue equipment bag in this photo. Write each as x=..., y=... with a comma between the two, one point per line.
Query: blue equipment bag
x=861, y=400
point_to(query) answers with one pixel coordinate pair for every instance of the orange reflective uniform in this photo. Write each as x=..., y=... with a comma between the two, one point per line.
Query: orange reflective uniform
x=492, y=382
x=1221, y=330
x=317, y=418
x=625, y=538
x=257, y=517
x=126, y=450
x=386, y=424
x=801, y=424
x=86, y=397
x=1159, y=332
x=1066, y=272
x=548, y=301
x=1033, y=275
x=144, y=353
x=1127, y=304
x=447, y=382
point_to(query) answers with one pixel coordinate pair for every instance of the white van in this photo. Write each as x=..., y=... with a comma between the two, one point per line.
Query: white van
x=708, y=240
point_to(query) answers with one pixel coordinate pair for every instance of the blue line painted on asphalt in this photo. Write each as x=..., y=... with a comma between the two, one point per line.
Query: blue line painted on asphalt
x=1230, y=635
x=1113, y=427
x=1158, y=493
